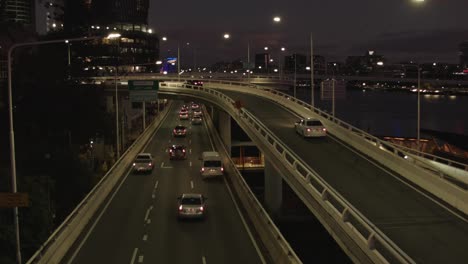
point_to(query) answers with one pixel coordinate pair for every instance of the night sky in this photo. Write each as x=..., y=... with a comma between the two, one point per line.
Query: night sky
x=397, y=29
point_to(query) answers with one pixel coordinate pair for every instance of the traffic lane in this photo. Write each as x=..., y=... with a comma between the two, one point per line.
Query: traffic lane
x=220, y=238
x=394, y=207
x=115, y=234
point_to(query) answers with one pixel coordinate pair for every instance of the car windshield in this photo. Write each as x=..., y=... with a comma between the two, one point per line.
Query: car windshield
x=179, y=127
x=143, y=157
x=212, y=163
x=191, y=201
x=314, y=123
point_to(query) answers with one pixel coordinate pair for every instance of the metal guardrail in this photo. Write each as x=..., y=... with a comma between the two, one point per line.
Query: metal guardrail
x=277, y=246
x=59, y=242
x=398, y=151
x=369, y=238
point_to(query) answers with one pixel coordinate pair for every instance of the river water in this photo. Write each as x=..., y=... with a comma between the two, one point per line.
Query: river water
x=390, y=113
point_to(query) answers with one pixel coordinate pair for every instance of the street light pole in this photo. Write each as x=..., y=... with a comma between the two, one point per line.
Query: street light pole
x=295, y=56
x=311, y=72
x=248, y=62
x=12, y=133
x=117, y=114
x=419, y=110
x=178, y=61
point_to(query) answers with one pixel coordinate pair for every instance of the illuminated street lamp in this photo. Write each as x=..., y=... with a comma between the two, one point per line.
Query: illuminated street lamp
x=226, y=36
x=12, y=133
x=277, y=19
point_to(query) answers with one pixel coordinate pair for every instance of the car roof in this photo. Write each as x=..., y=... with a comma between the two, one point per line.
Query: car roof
x=178, y=126
x=192, y=195
x=178, y=146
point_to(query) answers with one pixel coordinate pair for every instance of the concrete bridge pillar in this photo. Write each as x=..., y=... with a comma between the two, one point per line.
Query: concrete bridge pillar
x=224, y=128
x=273, y=189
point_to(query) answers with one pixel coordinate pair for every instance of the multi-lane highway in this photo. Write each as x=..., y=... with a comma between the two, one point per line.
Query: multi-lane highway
x=426, y=230
x=139, y=223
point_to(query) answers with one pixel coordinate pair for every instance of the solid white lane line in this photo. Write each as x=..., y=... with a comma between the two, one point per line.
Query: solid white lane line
x=148, y=221
x=247, y=228
x=153, y=196
x=140, y=259
x=203, y=259
x=145, y=237
x=135, y=251
x=162, y=164
x=191, y=184
x=190, y=151
x=190, y=164
x=156, y=185
x=97, y=219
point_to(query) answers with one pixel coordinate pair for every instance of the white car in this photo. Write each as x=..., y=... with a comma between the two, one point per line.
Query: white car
x=144, y=162
x=310, y=127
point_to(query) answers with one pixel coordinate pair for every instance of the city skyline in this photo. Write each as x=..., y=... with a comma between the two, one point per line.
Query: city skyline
x=400, y=30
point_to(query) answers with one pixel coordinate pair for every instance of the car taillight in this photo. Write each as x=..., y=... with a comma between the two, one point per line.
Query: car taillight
x=149, y=164
x=324, y=129
x=203, y=169
x=183, y=150
x=201, y=208
x=170, y=150
x=175, y=131
x=308, y=130
x=134, y=164
x=180, y=208
x=222, y=169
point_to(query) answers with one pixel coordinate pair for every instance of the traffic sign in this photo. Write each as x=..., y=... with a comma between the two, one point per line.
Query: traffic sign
x=10, y=200
x=143, y=90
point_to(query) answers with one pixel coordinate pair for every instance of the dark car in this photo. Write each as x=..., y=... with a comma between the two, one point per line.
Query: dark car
x=177, y=152
x=180, y=131
x=194, y=82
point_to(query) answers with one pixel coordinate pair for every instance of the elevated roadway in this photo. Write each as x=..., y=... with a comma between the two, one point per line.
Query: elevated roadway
x=421, y=225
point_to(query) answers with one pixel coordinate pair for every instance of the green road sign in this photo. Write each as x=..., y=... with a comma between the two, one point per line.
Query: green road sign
x=143, y=85
x=143, y=90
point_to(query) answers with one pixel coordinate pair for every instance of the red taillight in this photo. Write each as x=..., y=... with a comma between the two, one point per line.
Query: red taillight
x=183, y=150
x=170, y=150
x=203, y=169
x=222, y=169
x=324, y=129
x=175, y=131
x=180, y=208
x=149, y=164
x=308, y=130
x=201, y=208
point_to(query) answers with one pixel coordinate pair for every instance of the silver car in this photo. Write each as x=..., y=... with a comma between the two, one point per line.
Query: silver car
x=191, y=205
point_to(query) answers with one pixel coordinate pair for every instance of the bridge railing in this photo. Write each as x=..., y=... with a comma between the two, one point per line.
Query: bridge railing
x=278, y=247
x=62, y=239
x=444, y=184
x=378, y=247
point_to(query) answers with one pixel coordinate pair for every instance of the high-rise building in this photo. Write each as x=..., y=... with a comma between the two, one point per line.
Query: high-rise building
x=136, y=50
x=17, y=11
x=49, y=16
x=464, y=54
